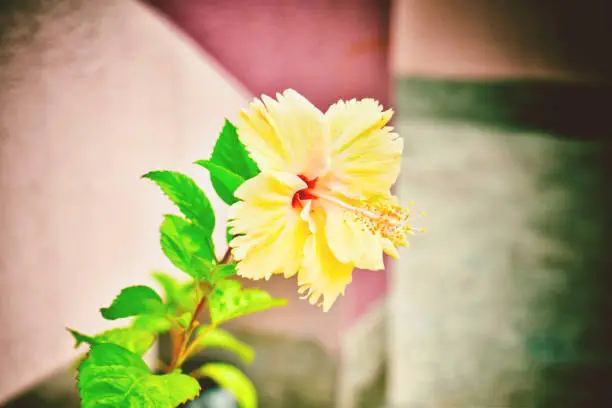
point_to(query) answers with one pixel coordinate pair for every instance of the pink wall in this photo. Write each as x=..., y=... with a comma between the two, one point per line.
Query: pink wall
x=94, y=94
x=327, y=50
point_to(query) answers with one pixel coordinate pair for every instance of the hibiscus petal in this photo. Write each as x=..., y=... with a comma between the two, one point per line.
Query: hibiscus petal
x=289, y=134
x=322, y=274
x=271, y=233
x=258, y=133
x=350, y=242
x=390, y=249
x=366, y=155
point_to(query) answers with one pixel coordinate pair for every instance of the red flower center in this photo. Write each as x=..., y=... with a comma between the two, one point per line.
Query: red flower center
x=305, y=193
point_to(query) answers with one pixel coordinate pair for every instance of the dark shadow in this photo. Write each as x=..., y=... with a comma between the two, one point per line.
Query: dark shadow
x=578, y=339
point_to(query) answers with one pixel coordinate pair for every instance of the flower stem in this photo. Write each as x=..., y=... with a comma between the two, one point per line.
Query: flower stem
x=180, y=340
x=187, y=352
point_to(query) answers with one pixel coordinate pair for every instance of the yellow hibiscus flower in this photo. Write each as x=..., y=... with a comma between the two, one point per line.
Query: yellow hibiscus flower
x=321, y=205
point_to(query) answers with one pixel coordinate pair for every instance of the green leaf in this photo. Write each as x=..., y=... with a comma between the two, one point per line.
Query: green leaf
x=153, y=323
x=224, y=181
x=228, y=235
x=133, y=339
x=80, y=338
x=201, y=268
x=223, y=271
x=229, y=301
x=170, y=286
x=230, y=164
x=114, y=377
x=187, y=196
x=182, y=240
x=185, y=319
x=179, y=297
x=230, y=153
x=219, y=338
x=233, y=380
x=134, y=301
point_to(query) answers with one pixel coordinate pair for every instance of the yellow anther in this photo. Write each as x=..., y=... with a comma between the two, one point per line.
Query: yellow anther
x=379, y=215
x=382, y=217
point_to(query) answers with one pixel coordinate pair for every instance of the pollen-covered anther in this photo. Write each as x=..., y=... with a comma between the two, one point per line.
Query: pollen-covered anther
x=379, y=215
x=385, y=219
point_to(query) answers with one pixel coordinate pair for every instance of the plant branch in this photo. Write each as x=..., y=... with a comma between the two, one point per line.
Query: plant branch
x=179, y=348
x=227, y=257
x=194, y=343
x=178, y=352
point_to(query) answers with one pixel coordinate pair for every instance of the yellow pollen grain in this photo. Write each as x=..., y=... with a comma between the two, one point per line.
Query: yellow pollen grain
x=379, y=216
x=384, y=218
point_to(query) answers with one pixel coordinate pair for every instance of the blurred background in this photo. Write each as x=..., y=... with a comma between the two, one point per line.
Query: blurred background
x=504, y=107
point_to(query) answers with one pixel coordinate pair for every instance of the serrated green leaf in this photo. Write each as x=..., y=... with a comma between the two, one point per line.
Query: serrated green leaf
x=179, y=296
x=181, y=241
x=134, y=301
x=219, y=338
x=201, y=268
x=229, y=301
x=113, y=376
x=231, y=154
x=223, y=271
x=155, y=323
x=224, y=181
x=80, y=338
x=230, y=164
x=233, y=380
x=187, y=196
x=133, y=339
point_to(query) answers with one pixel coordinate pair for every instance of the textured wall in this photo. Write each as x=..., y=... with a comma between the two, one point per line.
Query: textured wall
x=327, y=49
x=93, y=94
x=505, y=302
x=486, y=39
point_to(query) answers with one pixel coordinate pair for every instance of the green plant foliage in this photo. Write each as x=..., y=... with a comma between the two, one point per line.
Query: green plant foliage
x=179, y=297
x=233, y=380
x=230, y=164
x=229, y=152
x=181, y=241
x=221, y=272
x=224, y=181
x=187, y=196
x=184, y=319
x=154, y=323
x=134, y=301
x=218, y=338
x=228, y=235
x=201, y=268
x=228, y=301
x=131, y=338
x=113, y=373
x=114, y=377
